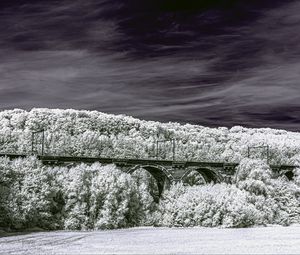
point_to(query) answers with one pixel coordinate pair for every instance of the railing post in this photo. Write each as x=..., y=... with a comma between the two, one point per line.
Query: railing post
x=43, y=140
x=35, y=143
x=173, y=145
x=268, y=154
x=173, y=149
x=156, y=149
x=32, y=142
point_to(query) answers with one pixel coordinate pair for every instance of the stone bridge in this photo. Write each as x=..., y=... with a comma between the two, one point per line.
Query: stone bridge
x=163, y=171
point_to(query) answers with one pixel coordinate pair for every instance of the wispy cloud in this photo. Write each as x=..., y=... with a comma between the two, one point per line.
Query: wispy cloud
x=76, y=56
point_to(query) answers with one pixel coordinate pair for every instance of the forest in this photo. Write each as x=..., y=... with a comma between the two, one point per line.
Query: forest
x=83, y=197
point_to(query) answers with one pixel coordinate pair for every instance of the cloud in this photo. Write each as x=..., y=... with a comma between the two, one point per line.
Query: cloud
x=91, y=56
x=63, y=26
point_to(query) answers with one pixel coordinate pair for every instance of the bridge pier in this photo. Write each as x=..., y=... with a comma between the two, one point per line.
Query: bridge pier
x=228, y=173
x=177, y=171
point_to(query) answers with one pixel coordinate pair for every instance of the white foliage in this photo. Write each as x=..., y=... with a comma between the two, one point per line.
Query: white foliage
x=92, y=133
x=208, y=206
x=97, y=197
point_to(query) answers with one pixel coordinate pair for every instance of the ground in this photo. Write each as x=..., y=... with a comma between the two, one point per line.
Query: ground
x=149, y=240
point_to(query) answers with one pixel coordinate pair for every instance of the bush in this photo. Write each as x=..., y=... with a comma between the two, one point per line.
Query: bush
x=81, y=197
x=6, y=182
x=103, y=197
x=276, y=198
x=114, y=201
x=254, y=176
x=29, y=195
x=208, y=206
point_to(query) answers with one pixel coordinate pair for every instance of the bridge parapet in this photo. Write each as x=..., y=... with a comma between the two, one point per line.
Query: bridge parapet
x=179, y=164
x=283, y=167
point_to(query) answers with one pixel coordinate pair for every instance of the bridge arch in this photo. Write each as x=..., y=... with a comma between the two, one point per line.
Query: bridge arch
x=209, y=175
x=161, y=175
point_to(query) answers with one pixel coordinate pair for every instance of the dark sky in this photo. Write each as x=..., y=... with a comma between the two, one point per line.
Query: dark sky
x=213, y=62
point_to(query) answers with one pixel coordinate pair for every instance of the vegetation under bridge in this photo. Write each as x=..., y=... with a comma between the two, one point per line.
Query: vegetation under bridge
x=163, y=171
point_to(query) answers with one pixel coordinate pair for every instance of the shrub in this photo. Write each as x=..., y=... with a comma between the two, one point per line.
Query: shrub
x=276, y=198
x=208, y=206
x=30, y=195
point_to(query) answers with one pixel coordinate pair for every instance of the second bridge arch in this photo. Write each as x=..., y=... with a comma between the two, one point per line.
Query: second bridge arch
x=208, y=175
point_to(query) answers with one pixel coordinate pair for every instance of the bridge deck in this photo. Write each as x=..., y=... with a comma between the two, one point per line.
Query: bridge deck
x=53, y=159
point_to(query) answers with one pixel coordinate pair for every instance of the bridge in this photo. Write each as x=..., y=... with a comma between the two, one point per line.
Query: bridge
x=163, y=171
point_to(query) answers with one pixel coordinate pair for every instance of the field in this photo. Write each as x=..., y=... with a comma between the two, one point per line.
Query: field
x=149, y=240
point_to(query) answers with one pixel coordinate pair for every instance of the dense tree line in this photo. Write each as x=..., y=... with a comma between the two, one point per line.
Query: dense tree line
x=103, y=197
x=80, y=197
x=91, y=133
